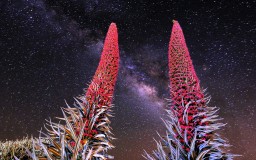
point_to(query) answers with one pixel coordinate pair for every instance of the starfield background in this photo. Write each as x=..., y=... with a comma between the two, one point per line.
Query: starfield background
x=49, y=51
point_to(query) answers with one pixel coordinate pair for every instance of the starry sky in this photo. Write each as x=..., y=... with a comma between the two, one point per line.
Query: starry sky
x=49, y=51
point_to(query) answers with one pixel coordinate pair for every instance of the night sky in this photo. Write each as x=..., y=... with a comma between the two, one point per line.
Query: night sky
x=49, y=51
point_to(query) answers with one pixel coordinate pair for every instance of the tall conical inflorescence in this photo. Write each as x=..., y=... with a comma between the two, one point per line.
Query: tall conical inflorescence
x=100, y=92
x=104, y=80
x=192, y=125
x=85, y=131
x=186, y=95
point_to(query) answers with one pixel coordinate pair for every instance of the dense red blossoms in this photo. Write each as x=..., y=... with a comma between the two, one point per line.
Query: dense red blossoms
x=101, y=89
x=186, y=96
x=86, y=132
x=192, y=123
x=103, y=83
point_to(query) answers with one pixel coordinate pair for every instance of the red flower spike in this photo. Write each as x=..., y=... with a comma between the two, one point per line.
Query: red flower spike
x=184, y=83
x=88, y=121
x=191, y=127
x=104, y=80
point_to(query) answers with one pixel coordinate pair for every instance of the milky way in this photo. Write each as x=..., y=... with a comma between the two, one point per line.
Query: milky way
x=50, y=51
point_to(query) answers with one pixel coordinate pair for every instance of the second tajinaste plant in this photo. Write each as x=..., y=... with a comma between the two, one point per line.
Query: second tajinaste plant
x=84, y=131
x=192, y=124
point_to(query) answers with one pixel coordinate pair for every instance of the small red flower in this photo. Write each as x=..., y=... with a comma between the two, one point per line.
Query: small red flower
x=72, y=143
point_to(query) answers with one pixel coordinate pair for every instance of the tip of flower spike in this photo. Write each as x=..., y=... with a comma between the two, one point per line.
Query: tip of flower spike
x=174, y=21
x=112, y=30
x=176, y=25
x=113, y=25
x=111, y=38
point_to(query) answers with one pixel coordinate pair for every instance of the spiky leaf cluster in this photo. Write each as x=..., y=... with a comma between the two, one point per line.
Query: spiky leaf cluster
x=9, y=149
x=85, y=133
x=171, y=148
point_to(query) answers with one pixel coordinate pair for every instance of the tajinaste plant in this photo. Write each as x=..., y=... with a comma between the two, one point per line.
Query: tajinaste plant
x=84, y=131
x=192, y=124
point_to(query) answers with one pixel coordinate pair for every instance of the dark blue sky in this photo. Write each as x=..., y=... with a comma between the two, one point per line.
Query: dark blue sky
x=49, y=51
